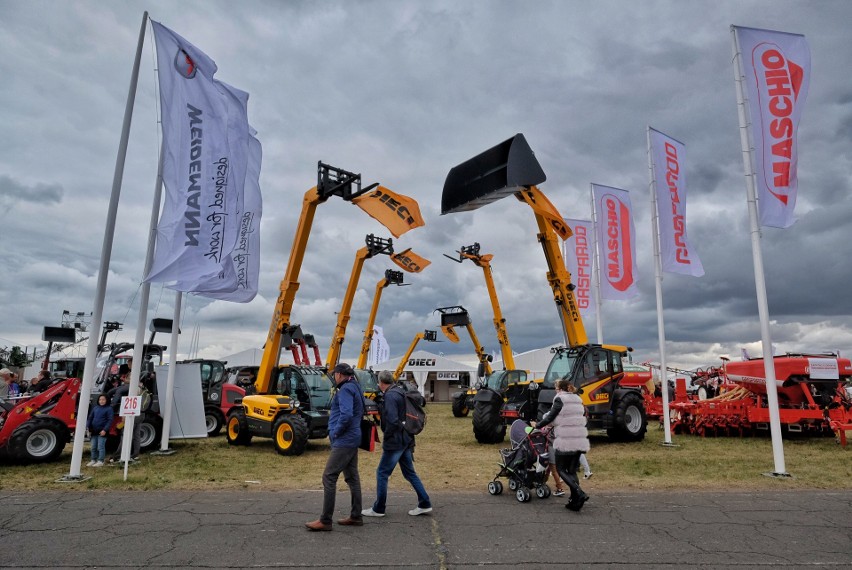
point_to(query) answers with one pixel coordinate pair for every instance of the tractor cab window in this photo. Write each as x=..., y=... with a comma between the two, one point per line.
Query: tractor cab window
x=282, y=385
x=318, y=387
x=595, y=366
x=515, y=376
x=561, y=366
x=206, y=373
x=498, y=381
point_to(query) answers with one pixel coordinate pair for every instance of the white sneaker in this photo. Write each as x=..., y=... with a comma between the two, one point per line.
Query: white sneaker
x=371, y=513
x=419, y=511
x=91, y=463
x=588, y=475
x=98, y=464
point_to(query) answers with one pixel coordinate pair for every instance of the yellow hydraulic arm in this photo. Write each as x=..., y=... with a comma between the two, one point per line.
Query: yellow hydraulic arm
x=452, y=317
x=391, y=278
x=430, y=336
x=375, y=246
x=471, y=252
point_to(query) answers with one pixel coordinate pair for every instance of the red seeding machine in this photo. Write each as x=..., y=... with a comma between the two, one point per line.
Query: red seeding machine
x=812, y=398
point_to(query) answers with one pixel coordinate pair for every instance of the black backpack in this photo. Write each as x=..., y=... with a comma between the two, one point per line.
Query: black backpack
x=415, y=414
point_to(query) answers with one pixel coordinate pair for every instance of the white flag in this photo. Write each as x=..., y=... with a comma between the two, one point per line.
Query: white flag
x=616, y=243
x=579, y=256
x=379, y=347
x=777, y=70
x=668, y=158
x=205, y=151
x=238, y=280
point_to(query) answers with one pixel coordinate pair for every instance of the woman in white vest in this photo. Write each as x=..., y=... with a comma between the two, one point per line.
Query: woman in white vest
x=571, y=439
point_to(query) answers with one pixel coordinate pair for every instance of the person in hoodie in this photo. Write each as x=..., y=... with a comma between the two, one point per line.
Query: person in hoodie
x=570, y=438
x=98, y=424
x=344, y=432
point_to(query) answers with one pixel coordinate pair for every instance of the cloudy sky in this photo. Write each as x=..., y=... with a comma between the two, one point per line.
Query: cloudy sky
x=401, y=92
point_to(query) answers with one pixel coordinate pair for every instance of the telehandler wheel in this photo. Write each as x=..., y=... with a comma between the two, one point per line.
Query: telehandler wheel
x=460, y=409
x=487, y=425
x=238, y=431
x=214, y=420
x=38, y=440
x=150, y=431
x=630, y=421
x=290, y=434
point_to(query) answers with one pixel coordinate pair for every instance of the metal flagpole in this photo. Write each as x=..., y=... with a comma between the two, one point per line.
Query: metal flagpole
x=103, y=270
x=759, y=277
x=597, y=262
x=658, y=278
x=170, y=384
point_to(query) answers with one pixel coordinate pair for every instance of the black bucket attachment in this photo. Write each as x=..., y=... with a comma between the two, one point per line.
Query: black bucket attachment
x=499, y=171
x=454, y=316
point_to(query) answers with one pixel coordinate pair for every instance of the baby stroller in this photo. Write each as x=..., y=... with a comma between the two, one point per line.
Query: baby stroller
x=525, y=464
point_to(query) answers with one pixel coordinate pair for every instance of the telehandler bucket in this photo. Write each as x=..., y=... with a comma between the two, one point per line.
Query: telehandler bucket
x=498, y=172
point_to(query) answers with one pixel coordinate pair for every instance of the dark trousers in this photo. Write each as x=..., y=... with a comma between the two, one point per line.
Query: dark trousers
x=566, y=465
x=341, y=460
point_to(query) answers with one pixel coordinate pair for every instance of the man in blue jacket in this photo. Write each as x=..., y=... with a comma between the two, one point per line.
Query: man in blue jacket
x=397, y=448
x=344, y=432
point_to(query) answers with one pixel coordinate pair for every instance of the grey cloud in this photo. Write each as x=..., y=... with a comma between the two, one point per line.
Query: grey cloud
x=39, y=192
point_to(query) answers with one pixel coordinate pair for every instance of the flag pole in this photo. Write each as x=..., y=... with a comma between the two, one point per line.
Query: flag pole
x=597, y=262
x=759, y=277
x=103, y=270
x=658, y=279
x=170, y=383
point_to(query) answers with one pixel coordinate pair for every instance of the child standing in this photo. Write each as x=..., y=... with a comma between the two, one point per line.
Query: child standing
x=100, y=419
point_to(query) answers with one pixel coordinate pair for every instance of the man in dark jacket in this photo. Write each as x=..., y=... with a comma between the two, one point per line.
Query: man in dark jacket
x=397, y=448
x=344, y=432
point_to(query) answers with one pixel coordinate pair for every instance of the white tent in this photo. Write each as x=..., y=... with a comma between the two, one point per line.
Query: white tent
x=248, y=357
x=421, y=363
x=536, y=361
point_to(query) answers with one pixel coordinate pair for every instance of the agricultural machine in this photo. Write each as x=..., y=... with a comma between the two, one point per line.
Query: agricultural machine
x=219, y=396
x=428, y=336
x=371, y=389
x=279, y=408
x=812, y=399
x=510, y=168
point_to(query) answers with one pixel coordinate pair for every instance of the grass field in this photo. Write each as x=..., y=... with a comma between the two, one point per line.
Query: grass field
x=449, y=459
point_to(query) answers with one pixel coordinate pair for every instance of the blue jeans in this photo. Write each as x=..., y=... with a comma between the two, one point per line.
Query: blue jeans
x=98, y=447
x=388, y=462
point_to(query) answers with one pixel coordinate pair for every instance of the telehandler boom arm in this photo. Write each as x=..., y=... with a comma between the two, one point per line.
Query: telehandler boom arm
x=425, y=335
x=391, y=278
x=452, y=317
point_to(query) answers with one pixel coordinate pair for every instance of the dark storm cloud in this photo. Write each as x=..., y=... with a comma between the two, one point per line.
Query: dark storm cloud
x=13, y=191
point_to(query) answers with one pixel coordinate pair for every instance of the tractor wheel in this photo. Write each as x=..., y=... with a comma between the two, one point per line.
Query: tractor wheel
x=150, y=432
x=214, y=420
x=487, y=425
x=495, y=487
x=38, y=440
x=630, y=421
x=460, y=409
x=238, y=431
x=290, y=434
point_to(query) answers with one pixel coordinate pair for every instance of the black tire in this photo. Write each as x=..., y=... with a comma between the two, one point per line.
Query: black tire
x=214, y=420
x=487, y=424
x=460, y=409
x=150, y=432
x=38, y=440
x=238, y=432
x=629, y=417
x=290, y=434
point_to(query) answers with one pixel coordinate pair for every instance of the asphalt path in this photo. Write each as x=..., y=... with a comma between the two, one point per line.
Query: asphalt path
x=214, y=529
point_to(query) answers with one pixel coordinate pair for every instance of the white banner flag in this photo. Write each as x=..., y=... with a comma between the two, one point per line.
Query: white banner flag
x=777, y=70
x=238, y=280
x=579, y=256
x=205, y=150
x=668, y=157
x=616, y=243
x=379, y=347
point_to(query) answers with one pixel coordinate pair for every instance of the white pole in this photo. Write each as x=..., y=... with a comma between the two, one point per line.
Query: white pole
x=597, y=256
x=103, y=270
x=170, y=384
x=757, y=255
x=658, y=275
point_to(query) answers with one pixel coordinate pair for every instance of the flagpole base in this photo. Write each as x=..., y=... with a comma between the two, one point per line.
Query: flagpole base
x=163, y=452
x=775, y=475
x=73, y=478
x=668, y=444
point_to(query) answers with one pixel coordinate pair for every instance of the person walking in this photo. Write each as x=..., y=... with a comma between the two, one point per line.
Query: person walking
x=397, y=448
x=100, y=418
x=571, y=438
x=344, y=432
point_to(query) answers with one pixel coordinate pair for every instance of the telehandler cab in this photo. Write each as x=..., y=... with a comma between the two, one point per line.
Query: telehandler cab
x=510, y=168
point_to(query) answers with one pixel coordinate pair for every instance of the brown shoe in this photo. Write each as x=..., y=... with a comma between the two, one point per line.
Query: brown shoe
x=318, y=525
x=349, y=521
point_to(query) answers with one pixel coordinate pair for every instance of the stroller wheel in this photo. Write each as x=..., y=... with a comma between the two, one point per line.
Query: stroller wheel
x=542, y=492
x=513, y=485
x=523, y=494
x=495, y=487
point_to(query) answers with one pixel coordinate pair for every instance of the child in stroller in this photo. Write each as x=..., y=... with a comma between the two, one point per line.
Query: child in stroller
x=525, y=464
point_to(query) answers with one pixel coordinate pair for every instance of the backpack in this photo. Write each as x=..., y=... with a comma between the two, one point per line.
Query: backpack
x=415, y=415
